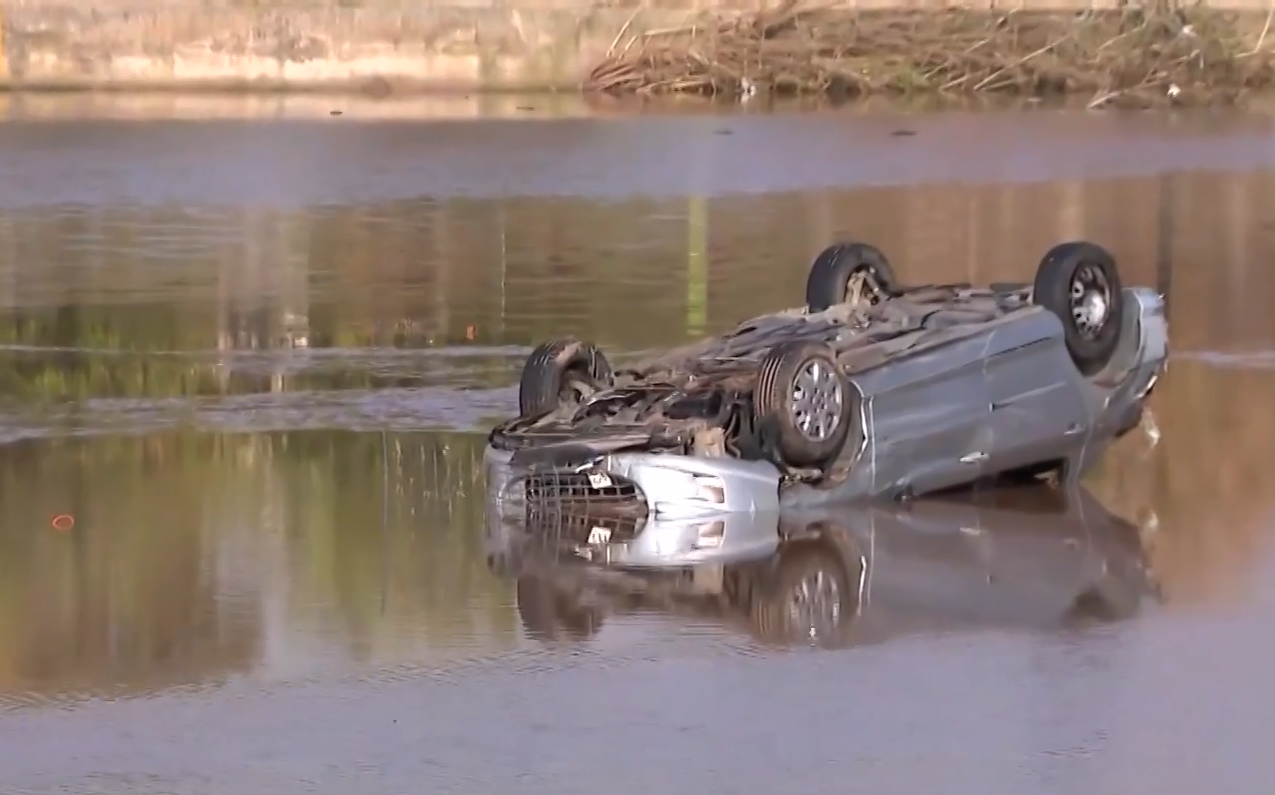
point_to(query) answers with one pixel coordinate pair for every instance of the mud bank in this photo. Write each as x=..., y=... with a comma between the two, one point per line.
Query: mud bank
x=1199, y=56
x=167, y=105
x=1137, y=56
x=378, y=50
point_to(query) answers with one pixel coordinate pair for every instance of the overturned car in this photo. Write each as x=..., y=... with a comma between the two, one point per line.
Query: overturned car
x=871, y=390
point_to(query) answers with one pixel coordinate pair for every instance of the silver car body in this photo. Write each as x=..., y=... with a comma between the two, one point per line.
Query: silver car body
x=990, y=397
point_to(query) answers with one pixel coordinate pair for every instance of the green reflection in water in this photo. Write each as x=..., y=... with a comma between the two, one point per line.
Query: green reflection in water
x=194, y=553
x=697, y=267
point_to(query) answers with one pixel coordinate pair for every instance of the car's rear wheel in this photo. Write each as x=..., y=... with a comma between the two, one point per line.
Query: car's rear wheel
x=560, y=371
x=803, y=404
x=846, y=272
x=1080, y=284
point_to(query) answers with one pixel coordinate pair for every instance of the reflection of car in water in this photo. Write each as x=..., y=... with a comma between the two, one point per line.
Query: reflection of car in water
x=1029, y=557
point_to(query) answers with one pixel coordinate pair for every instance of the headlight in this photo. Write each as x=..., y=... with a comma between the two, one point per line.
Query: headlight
x=709, y=488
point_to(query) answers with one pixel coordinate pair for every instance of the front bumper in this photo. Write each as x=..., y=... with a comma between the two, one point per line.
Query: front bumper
x=665, y=487
x=684, y=511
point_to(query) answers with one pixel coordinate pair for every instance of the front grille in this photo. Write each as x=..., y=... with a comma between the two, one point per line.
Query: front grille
x=551, y=492
x=578, y=529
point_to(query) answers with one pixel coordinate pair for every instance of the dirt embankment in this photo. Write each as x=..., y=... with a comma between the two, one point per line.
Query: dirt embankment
x=1131, y=57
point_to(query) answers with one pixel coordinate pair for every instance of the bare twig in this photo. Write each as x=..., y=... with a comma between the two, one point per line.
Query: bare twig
x=1102, y=98
x=1021, y=61
x=1121, y=37
x=623, y=29
x=1262, y=38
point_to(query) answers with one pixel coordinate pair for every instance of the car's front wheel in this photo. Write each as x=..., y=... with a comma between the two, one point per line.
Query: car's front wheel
x=558, y=371
x=1079, y=283
x=803, y=403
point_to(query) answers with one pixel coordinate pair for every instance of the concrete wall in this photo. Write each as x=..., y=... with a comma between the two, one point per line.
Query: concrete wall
x=378, y=48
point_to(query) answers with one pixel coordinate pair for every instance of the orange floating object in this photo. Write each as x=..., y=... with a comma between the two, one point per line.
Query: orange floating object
x=63, y=522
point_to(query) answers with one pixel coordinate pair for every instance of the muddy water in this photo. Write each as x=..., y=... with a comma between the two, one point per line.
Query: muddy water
x=253, y=361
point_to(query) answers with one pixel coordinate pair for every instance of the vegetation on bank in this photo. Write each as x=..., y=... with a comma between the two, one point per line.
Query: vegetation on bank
x=1131, y=57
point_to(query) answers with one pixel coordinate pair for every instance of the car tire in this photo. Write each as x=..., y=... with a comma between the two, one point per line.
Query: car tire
x=810, y=598
x=830, y=274
x=1079, y=283
x=810, y=432
x=556, y=370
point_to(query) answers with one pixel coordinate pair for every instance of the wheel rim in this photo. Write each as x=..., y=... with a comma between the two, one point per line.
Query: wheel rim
x=814, y=605
x=573, y=389
x=863, y=283
x=817, y=400
x=1090, y=300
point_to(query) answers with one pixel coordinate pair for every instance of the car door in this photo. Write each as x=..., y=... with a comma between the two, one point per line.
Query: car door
x=929, y=414
x=1038, y=412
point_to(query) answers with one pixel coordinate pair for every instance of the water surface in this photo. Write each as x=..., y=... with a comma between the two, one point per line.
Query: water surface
x=255, y=359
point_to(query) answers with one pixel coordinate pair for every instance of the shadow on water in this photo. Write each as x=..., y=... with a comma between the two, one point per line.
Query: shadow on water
x=260, y=386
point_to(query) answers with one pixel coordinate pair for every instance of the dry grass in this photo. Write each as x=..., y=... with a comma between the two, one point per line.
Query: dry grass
x=1137, y=57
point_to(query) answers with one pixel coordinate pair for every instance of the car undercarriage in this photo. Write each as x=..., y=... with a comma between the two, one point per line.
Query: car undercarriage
x=697, y=400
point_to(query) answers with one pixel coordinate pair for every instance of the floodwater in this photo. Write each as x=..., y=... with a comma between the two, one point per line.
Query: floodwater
x=254, y=359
